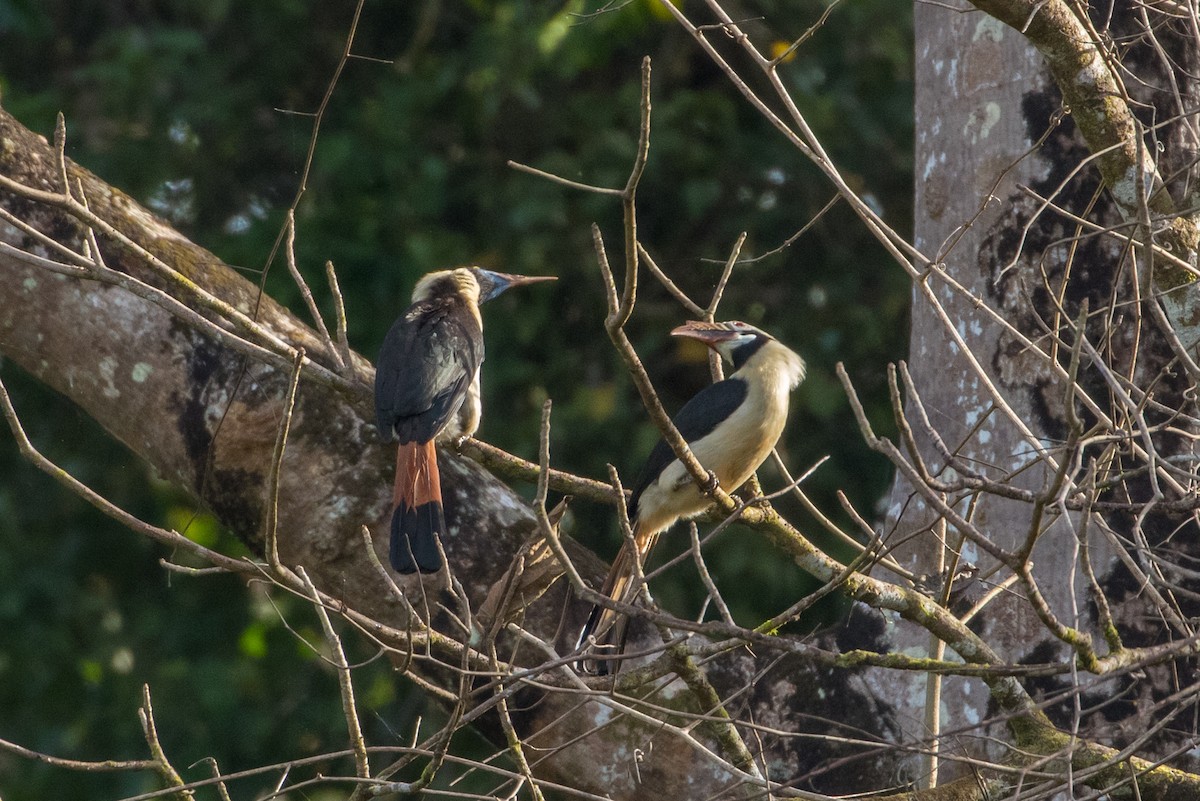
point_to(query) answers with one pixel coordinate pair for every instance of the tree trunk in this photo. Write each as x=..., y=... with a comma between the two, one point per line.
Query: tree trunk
x=972, y=75
x=205, y=417
x=993, y=132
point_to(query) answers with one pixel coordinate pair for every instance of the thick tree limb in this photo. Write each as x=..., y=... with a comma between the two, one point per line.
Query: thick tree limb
x=1100, y=107
x=204, y=413
x=199, y=399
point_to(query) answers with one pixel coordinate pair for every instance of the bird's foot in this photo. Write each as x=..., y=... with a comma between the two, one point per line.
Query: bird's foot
x=710, y=484
x=459, y=441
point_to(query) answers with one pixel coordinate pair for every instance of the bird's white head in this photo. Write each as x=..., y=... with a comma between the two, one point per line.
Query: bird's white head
x=473, y=283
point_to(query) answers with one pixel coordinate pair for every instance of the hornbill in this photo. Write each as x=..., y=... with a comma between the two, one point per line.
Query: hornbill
x=427, y=389
x=731, y=427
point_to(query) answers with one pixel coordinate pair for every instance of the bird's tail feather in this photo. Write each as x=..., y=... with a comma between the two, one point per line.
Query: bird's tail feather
x=418, y=518
x=608, y=627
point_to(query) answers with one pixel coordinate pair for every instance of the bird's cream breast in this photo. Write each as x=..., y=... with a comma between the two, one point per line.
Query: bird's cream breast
x=742, y=445
x=736, y=447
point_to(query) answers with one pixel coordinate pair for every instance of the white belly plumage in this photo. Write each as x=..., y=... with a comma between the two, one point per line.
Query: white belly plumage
x=465, y=422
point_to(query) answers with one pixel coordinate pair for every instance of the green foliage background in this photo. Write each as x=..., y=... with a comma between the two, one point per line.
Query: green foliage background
x=199, y=110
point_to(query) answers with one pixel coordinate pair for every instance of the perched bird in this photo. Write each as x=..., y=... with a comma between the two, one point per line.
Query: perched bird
x=731, y=427
x=427, y=389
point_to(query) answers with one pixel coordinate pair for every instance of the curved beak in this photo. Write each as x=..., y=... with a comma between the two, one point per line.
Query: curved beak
x=496, y=283
x=708, y=333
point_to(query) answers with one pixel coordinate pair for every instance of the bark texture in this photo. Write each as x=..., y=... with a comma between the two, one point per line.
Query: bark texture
x=992, y=125
x=971, y=76
x=205, y=416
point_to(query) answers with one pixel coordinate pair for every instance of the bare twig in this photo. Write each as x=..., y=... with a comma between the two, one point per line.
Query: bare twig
x=271, y=524
x=362, y=765
x=161, y=763
x=677, y=293
x=600, y=190
x=339, y=314
x=98, y=766
x=514, y=467
x=289, y=254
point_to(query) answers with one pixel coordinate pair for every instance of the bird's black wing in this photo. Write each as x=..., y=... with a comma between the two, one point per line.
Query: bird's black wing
x=695, y=420
x=426, y=364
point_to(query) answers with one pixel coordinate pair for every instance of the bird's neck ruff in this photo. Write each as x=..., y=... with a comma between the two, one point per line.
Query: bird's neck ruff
x=460, y=281
x=777, y=362
x=457, y=283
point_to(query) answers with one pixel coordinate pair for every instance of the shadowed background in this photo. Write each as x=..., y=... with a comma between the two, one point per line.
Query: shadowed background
x=201, y=114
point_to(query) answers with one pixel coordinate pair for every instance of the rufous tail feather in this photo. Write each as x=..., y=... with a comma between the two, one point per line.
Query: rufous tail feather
x=417, y=517
x=607, y=626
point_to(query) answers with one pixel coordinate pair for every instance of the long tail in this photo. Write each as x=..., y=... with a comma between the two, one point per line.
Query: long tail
x=609, y=627
x=417, y=516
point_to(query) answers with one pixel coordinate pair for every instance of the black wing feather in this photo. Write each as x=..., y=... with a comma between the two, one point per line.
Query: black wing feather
x=426, y=364
x=695, y=420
